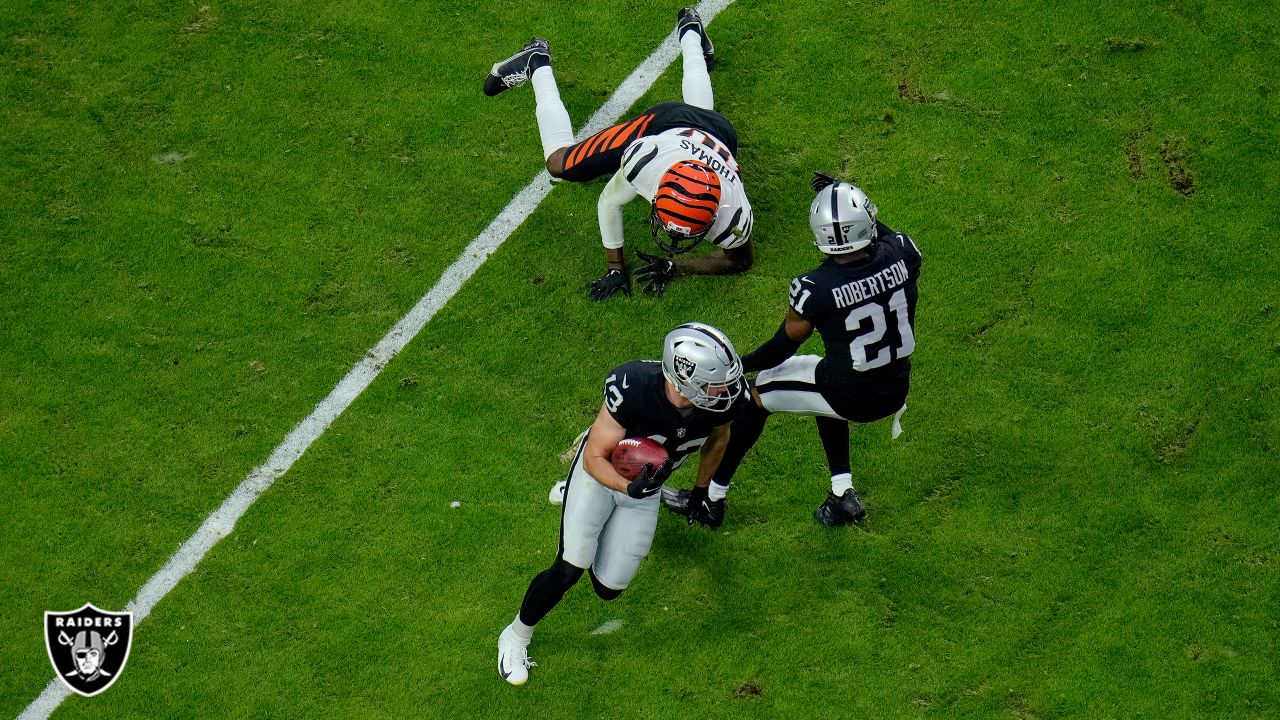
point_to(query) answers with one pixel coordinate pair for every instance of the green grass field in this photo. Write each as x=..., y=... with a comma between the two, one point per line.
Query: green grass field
x=209, y=212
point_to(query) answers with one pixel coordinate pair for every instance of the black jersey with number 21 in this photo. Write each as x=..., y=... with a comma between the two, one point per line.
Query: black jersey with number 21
x=864, y=311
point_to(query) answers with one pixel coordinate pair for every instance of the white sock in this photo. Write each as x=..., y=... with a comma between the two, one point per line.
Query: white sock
x=716, y=491
x=840, y=483
x=696, y=85
x=522, y=631
x=554, y=125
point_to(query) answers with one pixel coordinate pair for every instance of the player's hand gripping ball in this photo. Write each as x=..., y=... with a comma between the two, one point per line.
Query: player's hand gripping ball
x=632, y=454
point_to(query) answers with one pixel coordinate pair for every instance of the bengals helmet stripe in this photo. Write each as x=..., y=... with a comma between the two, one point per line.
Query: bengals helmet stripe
x=687, y=199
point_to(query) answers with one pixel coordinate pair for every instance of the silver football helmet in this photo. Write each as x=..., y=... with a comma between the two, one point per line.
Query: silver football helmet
x=843, y=219
x=701, y=362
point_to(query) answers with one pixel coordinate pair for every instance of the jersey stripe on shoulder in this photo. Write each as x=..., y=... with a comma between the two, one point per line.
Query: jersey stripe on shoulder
x=728, y=231
x=640, y=165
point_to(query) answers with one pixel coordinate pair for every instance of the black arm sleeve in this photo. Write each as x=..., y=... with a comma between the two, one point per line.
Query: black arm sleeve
x=772, y=353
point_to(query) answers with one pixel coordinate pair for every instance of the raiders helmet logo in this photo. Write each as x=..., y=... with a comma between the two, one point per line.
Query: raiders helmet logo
x=88, y=647
x=685, y=367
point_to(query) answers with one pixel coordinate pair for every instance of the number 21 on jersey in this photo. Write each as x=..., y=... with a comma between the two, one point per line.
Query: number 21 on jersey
x=859, y=346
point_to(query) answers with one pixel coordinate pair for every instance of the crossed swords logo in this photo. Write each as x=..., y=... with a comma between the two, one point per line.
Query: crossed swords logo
x=89, y=650
x=88, y=647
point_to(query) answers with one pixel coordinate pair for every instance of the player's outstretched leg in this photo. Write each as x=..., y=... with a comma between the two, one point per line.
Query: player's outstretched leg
x=698, y=53
x=544, y=593
x=515, y=70
x=533, y=64
x=688, y=19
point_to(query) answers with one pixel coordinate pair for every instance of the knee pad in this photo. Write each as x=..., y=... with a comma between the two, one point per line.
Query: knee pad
x=605, y=593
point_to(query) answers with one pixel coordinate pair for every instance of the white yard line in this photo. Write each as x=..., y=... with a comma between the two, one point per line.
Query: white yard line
x=223, y=520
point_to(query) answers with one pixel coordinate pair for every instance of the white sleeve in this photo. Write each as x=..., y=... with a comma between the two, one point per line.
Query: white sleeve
x=732, y=229
x=617, y=192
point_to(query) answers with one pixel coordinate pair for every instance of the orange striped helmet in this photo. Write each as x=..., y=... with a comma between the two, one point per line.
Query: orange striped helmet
x=685, y=205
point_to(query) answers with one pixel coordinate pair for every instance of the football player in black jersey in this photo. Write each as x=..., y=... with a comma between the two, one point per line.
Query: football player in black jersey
x=862, y=301
x=685, y=402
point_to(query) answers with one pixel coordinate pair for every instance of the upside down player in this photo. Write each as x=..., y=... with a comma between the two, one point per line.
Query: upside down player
x=679, y=156
x=862, y=301
x=685, y=402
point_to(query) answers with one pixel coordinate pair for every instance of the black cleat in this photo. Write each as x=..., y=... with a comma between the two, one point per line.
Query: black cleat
x=688, y=19
x=846, y=508
x=677, y=501
x=517, y=69
x=708, y=512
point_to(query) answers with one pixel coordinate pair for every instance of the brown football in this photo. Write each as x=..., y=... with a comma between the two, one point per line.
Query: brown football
x=630, y=456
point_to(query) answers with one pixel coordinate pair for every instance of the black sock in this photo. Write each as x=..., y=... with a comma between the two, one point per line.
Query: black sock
x=835, y=443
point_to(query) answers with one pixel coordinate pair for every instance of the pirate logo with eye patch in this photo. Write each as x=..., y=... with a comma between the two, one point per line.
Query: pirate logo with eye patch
x=88, y=647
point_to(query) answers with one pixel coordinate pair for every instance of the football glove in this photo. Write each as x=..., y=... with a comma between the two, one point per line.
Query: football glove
x=821, y=180
x=649, y=481
x=603, y=287
x=656, y=273
x=703, y=510
x=677, y=501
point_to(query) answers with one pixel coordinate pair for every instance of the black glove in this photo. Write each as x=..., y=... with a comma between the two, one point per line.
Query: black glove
x=649, y=481
x=656, y=273
x=821, y=180
x=609, y=283
x=703, y=510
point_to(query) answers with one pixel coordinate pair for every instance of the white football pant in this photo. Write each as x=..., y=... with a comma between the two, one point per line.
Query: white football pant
x=793, y=388
x=605, y=530
x=695, y=85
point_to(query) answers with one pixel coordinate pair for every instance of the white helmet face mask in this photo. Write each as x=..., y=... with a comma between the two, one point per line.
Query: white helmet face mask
x=701, y=362
x=842, y=218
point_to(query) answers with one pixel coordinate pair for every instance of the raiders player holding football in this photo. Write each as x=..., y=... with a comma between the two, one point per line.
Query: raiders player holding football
x=679, y=156
x=685, y=402
x=862, y=301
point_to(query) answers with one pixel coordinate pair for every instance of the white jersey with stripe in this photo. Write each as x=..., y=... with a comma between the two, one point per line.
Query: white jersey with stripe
x=643, y=165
